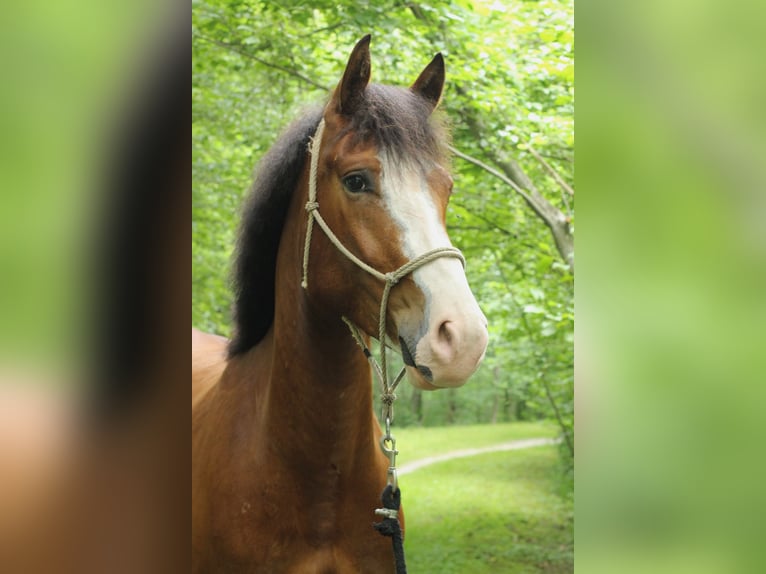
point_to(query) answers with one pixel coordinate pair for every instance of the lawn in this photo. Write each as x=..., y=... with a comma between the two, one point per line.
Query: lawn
x=492, y=513
x=419, y=442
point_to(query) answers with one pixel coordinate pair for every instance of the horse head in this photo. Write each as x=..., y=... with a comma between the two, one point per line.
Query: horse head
x=383, y=183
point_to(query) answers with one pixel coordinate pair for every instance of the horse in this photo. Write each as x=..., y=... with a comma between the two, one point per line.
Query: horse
x=286, y=465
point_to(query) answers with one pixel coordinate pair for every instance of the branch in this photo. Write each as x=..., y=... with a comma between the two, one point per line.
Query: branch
x=538, y=205
x=471, y=228
x=494, y=225
x=557, y=157
x=556, y=221
x=323, y=29
x=491, y=170
x=564, y=185
x=564, y=428
x=237, y=48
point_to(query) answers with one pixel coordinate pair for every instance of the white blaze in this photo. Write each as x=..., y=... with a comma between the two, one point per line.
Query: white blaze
x=452, y=335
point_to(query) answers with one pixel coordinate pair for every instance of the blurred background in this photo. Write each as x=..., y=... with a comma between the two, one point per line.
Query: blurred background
x=670, y=294
x=93, y=225
x=69, y=73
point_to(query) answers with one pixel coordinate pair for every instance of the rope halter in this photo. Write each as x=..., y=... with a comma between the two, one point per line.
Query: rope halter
x=390, y=279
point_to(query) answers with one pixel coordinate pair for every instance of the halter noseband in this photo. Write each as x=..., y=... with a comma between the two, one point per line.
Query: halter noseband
x=390, y=279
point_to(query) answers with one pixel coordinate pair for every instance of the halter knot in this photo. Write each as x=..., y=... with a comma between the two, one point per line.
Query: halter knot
x=391, y=278
x=387, y=399
x=312, y=206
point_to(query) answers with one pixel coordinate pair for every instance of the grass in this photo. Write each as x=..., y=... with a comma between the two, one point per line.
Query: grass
x=491, y=513
x=414, y=443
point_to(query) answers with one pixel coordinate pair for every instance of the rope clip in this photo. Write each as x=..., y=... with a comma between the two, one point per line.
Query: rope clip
x=392, y=478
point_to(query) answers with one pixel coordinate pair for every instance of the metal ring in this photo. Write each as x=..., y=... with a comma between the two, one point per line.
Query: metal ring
x=388, y=513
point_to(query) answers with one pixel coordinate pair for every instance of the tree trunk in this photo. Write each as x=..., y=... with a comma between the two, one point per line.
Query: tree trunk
x=495, y=395
x=451, y=407
x=416, y=402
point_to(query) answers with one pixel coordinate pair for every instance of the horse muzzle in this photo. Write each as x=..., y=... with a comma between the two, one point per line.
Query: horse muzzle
x=448, y=353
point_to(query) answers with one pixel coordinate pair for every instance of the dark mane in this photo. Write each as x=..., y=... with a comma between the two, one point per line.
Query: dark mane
x=262, y=220
x=392, y=118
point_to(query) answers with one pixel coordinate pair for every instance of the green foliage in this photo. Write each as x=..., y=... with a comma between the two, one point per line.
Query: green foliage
x=509, y=90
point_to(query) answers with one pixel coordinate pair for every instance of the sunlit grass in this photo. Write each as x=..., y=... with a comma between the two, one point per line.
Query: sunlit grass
x=419, y=442
x=492, y=513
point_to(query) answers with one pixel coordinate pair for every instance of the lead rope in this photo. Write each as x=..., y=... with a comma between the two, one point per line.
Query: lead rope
x=391, y=497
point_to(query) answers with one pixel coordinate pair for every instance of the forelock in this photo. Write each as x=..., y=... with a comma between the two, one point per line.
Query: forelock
x=400, y=123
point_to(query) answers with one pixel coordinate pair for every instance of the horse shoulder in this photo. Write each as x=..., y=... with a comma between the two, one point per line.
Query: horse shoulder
x=208, y=362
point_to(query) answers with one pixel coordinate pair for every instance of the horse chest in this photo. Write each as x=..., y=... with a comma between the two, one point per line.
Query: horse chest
x=277, y=522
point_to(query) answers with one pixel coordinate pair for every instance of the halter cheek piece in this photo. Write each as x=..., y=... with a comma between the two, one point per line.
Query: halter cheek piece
x=390, y=279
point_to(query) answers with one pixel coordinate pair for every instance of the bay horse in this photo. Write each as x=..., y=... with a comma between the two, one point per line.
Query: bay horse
x=286, y=467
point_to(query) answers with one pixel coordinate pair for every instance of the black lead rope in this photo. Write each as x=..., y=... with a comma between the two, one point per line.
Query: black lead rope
x=390, y=526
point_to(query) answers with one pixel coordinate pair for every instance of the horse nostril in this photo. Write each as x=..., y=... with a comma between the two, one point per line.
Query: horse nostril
x=445, y=341
x=426, y=372
x=409, y=360
x=445, y=332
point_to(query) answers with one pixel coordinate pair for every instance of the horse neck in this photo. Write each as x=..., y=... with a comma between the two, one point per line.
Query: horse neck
x=317, y=404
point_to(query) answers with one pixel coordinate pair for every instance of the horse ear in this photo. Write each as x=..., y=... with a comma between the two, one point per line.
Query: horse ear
x=349, y=92
x=430, y=82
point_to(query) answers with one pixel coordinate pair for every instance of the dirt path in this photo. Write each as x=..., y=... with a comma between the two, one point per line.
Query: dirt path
x=512, y=445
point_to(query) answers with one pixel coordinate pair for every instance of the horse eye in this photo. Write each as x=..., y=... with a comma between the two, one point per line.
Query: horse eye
x=356, y=183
